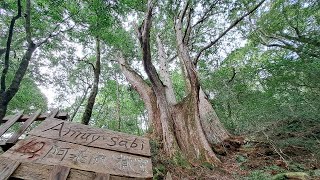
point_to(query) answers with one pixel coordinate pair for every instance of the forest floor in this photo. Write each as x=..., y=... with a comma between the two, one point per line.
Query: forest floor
x=288, y=149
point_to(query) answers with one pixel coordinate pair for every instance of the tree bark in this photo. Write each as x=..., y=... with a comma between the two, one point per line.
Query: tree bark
x=170, y=145
x=212, y=127
x=92, y=97
x=193, y=140
x=164, y=73
x=118, y=103
x=146, y=93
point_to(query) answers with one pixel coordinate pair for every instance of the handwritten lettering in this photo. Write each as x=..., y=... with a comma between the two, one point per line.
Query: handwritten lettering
x=114, y=140
x=123, y=143
x=91, y=137
x=31, y=148
x=79, y=157
x=82, y=157
x=96, y=159
x=134, y=144
x=94, y=138
x=57, y=151
x=56, y=128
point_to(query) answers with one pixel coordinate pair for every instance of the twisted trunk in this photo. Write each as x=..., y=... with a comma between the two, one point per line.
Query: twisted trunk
x=181, y=125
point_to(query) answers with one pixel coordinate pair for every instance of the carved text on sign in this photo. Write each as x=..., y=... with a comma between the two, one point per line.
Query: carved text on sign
x=80, y=134
x=45, y=151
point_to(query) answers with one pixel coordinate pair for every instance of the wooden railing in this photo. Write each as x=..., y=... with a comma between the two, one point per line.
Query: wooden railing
x=27, y=120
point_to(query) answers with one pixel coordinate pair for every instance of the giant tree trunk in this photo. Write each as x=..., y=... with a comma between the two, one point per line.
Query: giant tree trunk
x=181, y=125
x=92, y=97
x=188, y=127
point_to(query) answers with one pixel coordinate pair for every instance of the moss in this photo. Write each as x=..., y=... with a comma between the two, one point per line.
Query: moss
x=291, y=175
x=179, y=160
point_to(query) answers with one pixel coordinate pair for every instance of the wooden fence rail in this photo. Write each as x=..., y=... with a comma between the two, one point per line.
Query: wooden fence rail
x=27, y=120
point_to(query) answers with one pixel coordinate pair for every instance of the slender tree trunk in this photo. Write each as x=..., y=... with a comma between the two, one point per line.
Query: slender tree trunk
x=6, y=94
x=8, y=47
x=92, y=97
x=118, y=103
x=79, y=105
x=3, y=110
x=4, y=100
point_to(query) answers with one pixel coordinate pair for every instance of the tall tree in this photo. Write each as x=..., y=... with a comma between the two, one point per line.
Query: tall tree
x=191, y=125
x=95, y=86
x=7, y=92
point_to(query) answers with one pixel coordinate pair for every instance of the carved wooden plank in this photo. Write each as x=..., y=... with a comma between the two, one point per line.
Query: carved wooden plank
x=35, y=171
x=4, y=127
x=16, y=135
x=54, y=113
x=93, y=137
x=46, y=151
x=7, y=167
x=43, y=116
x=100, y=176
x=59, y=173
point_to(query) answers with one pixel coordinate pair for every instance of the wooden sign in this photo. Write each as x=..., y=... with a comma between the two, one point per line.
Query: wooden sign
x=54, y=152
x=93, y=137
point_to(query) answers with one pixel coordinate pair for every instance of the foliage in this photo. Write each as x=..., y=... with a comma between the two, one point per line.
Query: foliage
x=258, y=175
x=264, y=74
x=28, y=98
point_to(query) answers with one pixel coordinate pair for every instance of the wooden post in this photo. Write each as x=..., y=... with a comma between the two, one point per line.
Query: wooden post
x=54, y=113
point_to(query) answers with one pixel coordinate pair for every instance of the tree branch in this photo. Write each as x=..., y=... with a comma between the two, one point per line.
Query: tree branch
x=233, y=75
x=172, y=58
x=184, y=11
x=206, y=14
x=87, y=62
x=226, y=31
x=187, y=32
x=51, y=35
x=28, y=22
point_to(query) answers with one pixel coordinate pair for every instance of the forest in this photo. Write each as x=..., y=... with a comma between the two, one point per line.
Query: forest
x=223, y=89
